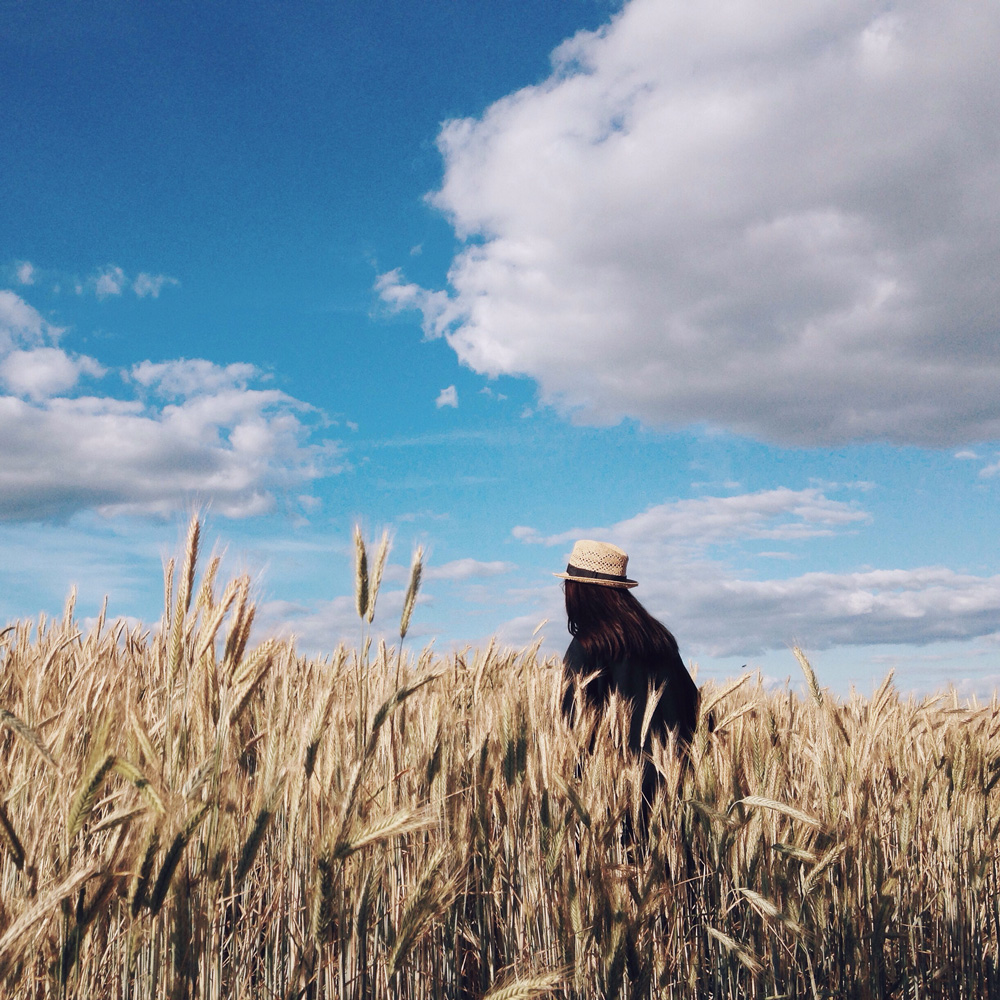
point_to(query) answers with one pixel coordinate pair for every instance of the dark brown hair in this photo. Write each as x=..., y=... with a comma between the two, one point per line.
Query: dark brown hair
x=610, y=626
x=609, y=623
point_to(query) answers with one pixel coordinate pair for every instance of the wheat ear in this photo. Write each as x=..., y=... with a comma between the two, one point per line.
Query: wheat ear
x=416, y=571
x=360, y=574
x=376, y=580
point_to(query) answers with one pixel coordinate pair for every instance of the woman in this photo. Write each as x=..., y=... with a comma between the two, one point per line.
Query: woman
x=630, y=652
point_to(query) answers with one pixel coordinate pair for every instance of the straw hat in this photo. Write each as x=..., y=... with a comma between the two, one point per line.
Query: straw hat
x=597, y=562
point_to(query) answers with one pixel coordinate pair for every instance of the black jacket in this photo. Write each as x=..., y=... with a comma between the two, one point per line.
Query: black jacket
x=632, y=678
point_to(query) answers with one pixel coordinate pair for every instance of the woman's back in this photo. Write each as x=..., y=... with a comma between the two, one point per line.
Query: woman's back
x=633, y=676
x=630, y=652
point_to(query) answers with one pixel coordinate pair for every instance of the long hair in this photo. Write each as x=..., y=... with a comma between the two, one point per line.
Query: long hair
x=610, y=626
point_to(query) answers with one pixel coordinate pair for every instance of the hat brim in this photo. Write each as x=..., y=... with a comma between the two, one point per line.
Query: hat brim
x=620, y=584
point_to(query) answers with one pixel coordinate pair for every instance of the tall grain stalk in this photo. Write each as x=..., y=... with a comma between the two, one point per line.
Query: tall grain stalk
x=409, y=602
x=188, y=813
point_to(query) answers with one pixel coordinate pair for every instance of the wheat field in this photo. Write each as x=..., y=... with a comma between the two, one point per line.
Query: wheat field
x=187, y=813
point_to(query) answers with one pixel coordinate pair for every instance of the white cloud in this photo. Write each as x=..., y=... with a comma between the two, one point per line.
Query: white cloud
x=467, y=569
x=447, y=397
x=151, y=284
x=727, y=616
x=319, y=627
x=113, y=281
x=238, y=450
x=203, y=435
x=21, y=325
x=45, y=371
x=776, y=218
x=110, y=281
x=192, y=376
x=718, y=611
x=693, y=525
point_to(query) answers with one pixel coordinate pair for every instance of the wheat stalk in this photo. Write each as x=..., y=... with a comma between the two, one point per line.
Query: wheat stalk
x=809, y=846
x=11, y=839
x=361, y=591
x=29, y=735
x=412, y=588
x=384, y=546
x=527, y=987
x=86, y=795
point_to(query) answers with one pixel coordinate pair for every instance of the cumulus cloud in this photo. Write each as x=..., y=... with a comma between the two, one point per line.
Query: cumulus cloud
x=45, y=371
x=201, y=433
x=192, y=376
x=25, y=272
x=677, y=553
x=728, y=616
x=239, y=449
x=776, y=218
x=447, y=397
x=694, y=525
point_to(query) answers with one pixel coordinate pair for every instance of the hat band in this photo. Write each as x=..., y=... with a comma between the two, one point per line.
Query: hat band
x=590, y=574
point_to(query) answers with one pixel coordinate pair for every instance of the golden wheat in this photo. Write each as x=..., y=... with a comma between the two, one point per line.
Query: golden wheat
x=187, y=814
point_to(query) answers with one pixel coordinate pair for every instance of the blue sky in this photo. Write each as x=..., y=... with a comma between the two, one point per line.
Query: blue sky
x=718, y=283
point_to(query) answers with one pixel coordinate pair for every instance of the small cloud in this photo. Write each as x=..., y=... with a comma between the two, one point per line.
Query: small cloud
x=422, y=515
x=45, y=371
x=192, y=376
x=25, y=272
x=352, y=425
x=990, y=470
x=447, y=397
x=863, y=485
x=726, y=484
x=151, y=284
x=417, y=250
x=398, y=295
x=966, y=455
x=111, y=281
x=523, y=533
x=467, y=569
x=22, y=324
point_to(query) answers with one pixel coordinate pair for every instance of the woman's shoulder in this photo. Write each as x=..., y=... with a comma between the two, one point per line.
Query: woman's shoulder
x=575, y=657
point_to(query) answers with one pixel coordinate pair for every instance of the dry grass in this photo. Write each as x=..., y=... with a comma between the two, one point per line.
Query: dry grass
x=187, y=814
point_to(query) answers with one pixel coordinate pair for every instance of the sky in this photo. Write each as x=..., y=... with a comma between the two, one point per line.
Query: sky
x=717, y=282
